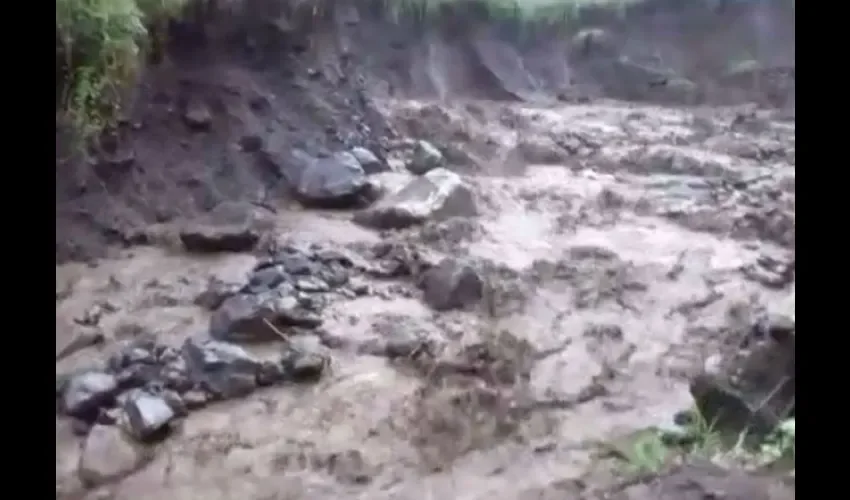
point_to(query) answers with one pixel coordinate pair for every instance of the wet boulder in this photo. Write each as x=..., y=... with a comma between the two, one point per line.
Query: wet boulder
x=229, y=227
x=224, y=370
x=426, y=157
x=439, y=194
x=338, y=181
x=592, y=42
x=216, y=292
x=258, y=318
x=752, y=387
x=85, y=393
x=147, y=415
x=303, y=359
x=451, y=284
x=369, y=161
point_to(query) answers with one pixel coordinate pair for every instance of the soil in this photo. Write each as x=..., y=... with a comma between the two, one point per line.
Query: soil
x=625, y=221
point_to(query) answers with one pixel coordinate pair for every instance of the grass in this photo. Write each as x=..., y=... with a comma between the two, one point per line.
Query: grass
x=651, y=450
x=101, y=44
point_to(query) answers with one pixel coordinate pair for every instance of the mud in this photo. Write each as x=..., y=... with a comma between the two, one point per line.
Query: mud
x=621, y=244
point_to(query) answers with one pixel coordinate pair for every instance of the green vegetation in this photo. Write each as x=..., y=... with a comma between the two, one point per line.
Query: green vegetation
x=100, y=48
x=651, y=450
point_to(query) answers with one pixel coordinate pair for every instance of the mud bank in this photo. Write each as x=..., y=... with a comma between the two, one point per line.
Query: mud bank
x=258, y=76
x=492, y=271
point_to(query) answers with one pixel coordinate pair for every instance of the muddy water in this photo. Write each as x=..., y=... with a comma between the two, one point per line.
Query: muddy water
x=653, y=247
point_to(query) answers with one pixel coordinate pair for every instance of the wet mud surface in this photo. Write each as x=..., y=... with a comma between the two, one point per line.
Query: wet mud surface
x=310, y=285
x=605, y=289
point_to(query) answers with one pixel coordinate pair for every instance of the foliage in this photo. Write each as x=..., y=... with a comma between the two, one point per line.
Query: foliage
x=650, y=450
x=100, y=49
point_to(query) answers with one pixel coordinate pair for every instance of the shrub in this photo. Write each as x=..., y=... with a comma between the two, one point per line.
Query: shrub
x=100, y=49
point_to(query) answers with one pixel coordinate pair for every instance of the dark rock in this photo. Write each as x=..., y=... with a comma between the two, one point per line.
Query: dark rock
x=369, y=161
x=295, y=262
x=147, y=415
x=426, y=157
x=85, y=393
x=198, y=116
x=140, y=375
x=751, y=387
x=80, y=427
x=251, y=143
x=335, y=182
x=303, y=360
x=250, y=317
x=213, y=238
x=216, y=293
x=603, y=332
x=451, y=285
x=437, y=195
x=780, y=328
x=592, y=42
x=270, y=373
x=730, y=410
x=225, y=370
x=265, y=279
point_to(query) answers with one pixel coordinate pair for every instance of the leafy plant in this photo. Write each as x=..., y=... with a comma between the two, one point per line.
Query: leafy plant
x=100, y=49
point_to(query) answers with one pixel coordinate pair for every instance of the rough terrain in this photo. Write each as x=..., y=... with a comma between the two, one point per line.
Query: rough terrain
x=302, y=279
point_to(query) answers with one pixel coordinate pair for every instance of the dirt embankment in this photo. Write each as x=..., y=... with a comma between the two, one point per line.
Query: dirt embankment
x=457, y=259
x=257, y=78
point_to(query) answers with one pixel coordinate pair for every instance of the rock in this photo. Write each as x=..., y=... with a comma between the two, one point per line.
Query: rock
x=753, y=386
x=541, y=150
x=270, y=373
x=147, y=415
x=225, y=370
x=777, y=327
x=265, y=279
x=369, y=161
x=198, y=116
x=85, y=393
x=295, y=262
x=228, y=227
x=303, y=359
x=248, y=317
x=451, y=285
x=592, y=42
x=439, y=194
x=251, y=143
x=426, y=157
x=335, y=182
x=109, y=455
x=216, y=292
x=213, y=238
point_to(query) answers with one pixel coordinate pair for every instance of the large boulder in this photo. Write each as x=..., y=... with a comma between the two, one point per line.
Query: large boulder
x=751, y=388
x=439, y=194
x=451, y=284
x=229, y=227
x=257, y=318
x=337, y=181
